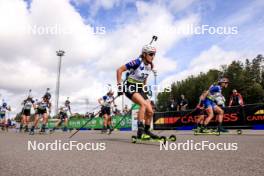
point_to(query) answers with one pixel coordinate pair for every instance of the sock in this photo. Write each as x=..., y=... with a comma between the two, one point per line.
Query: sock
x=43, y=127
x=105, y=127
x=147, y=127
x=220, y=125
x=140, y=125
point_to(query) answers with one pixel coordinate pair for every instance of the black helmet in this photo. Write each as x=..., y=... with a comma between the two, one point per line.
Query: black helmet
x=67, y=102
x=29, y=97
x=110, y=93
x=47, y=95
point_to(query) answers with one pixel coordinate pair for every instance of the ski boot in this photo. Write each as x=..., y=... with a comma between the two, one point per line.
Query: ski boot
x=104, y=130
x=32, y=132
x=42, y=130
x=222, y=129
x=20, y=128
x=52, y=130
x=26, y=129
x=140, y=131
x=110, y=131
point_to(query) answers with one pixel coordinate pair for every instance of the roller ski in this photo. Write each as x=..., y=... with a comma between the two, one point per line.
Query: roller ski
x=147, y=135
x=42, y=132
x=51, y=131
x=207, y=131
x=147, y=138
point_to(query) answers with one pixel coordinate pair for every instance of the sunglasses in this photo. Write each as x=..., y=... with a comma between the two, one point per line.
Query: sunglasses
x=151, y=54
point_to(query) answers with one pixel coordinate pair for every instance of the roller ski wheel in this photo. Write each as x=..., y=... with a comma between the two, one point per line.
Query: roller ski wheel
x=31, y=133
x=172, y=138
x=163, y=139
x=134, y=139
x=195, y=130
x=103, y=132
x=239, y=132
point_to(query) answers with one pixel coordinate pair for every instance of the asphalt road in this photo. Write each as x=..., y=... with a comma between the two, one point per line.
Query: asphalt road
x=121, y=157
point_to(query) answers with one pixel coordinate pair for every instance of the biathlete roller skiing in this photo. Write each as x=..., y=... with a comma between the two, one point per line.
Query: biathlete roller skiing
x=105, y=103
x=42, y=109
x=139, y=70
x=3, y=109
x=133, y=87
x=63, y=116
x=213, y=102
x=27, y=104
x=77, y=130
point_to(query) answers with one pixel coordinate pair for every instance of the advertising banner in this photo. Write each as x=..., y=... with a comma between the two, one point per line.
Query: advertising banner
x=238, y=116
x=124, y=122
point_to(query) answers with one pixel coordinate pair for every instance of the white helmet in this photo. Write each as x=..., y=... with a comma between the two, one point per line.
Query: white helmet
x=148, y=49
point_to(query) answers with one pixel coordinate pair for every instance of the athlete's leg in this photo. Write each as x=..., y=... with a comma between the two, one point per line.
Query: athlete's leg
x=138, y=99
x=105, y=116
x=109, y=124
x=26, y=122
x=220, y=115
x=65, y=128
x=4, y=123
x=148, y=117
x=35, y=123
x=45, y=120
x=149, y=113
x=22, y=123
x=210, y=114
x=200, y=123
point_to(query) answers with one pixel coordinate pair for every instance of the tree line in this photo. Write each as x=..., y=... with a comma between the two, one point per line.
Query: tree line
x=247, y=78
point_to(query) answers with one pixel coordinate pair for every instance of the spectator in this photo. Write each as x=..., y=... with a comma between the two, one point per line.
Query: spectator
x=236, y=99
x=183, y=103
x=125, y=110
x=173, y=105
x=115, y=110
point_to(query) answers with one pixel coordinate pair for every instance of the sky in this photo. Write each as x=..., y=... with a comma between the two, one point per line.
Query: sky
x=99, y=36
